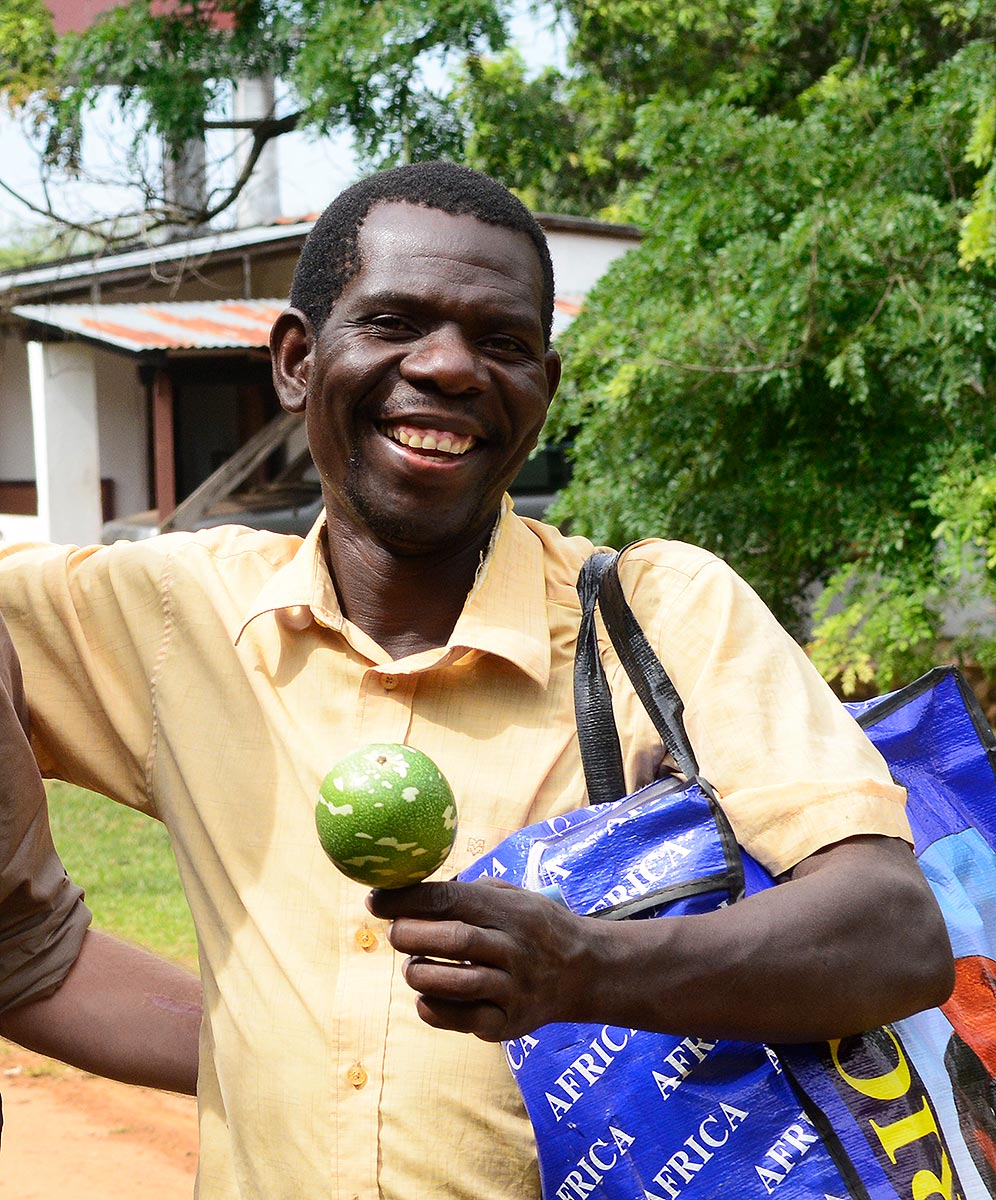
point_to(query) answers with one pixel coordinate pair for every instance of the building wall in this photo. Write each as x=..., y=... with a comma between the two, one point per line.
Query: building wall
x=122, y=430
x=17, y=459
x=17, y=455
x=271, y=276
x=122, y=417
x=580, y=259
x=77, y=14
x=192, y=284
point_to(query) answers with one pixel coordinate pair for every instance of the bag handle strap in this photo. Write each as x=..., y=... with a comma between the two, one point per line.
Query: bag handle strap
x=601, y=756
x=646, y=672
x=598, y=738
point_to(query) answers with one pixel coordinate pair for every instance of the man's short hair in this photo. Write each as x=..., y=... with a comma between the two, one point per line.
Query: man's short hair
x=330, y=257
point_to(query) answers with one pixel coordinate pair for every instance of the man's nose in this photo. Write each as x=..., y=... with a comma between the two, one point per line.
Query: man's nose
x=445, y=359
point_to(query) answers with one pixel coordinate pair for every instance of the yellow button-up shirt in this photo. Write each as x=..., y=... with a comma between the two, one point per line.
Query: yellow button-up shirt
x=211, y=680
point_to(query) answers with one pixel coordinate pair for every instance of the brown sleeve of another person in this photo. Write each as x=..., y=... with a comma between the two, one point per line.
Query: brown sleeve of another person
x=42, y=915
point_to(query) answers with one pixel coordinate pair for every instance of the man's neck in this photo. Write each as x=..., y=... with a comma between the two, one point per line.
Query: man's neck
x=405, y=603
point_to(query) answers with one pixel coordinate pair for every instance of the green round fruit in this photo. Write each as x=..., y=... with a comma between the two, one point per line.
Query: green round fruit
x=386, y=816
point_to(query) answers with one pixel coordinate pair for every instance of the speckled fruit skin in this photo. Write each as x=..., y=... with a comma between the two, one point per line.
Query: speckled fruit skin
x=386, y=815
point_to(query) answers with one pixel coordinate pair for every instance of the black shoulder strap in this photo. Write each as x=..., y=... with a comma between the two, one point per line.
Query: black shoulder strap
x=646, y=672
x=601, y=757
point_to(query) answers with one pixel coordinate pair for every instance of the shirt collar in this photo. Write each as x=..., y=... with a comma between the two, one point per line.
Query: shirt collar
x=505, y=613
x=303, y=582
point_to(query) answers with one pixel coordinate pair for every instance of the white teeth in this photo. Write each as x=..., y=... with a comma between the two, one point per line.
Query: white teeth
x=434, y=439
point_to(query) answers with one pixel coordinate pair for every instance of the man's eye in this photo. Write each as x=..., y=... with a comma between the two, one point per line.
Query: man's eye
x=390, y=323
x=503, y=344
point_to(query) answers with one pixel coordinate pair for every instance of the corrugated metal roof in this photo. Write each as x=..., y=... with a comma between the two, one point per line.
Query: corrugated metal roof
x=186, y=325
x=568, y=306
x=565, y=309
x=187, y=252
x=189, y=325
x=226, y=242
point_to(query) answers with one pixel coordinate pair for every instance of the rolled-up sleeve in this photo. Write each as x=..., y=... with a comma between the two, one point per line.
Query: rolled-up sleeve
x=42, y=914
x=793, y=770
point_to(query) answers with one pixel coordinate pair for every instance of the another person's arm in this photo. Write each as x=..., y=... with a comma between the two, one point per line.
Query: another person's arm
x=65, y=990
x=119, y=1012
x=852, y=939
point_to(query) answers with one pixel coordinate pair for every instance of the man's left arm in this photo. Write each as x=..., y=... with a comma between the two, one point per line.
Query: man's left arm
x=850, y=939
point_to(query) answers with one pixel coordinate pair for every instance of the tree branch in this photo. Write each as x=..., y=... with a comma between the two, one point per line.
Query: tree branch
x=263, y=132
x=155, y=215
x=712, y=369
x=267, y=126
x=46, y=212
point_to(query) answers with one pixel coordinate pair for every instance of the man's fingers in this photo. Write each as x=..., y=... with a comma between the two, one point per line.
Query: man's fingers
x=485, y=958
x=438, y=900
x=462, y=981
x=463, y=997
x=445, y=939
x=483, y=1020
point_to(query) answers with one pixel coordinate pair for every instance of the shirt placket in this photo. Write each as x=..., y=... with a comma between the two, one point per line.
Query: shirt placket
x=363, y=1003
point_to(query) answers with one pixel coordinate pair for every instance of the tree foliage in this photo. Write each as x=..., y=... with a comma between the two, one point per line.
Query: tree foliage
x=375, y=68
x=978, y=231
x=560, y=142
x=27, y=40
x=797, y=368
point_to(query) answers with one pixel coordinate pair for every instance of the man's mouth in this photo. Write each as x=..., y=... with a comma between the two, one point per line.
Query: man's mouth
x=442, y=441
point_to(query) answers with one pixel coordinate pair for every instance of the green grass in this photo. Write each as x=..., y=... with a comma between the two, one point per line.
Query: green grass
x=124, y=861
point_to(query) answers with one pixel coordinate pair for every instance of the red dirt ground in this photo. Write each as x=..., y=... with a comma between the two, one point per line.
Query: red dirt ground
x=73, y=1135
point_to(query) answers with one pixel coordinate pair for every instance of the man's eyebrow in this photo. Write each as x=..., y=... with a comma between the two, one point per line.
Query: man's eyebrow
x=515, y=313
x=387, y=297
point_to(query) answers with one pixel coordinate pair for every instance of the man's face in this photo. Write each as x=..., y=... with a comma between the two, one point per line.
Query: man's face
x=429, y=382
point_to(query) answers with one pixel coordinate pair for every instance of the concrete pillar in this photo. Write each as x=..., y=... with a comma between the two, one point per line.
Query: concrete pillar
x=67, y=451
x=185, y=184
x=259, y=202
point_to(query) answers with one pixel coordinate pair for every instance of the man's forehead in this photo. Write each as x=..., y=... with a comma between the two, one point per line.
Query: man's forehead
x=400, y=224
x=460, y=246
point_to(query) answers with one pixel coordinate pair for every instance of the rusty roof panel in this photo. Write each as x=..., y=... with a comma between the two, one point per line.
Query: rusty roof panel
x=197, y=325
x=189, y=325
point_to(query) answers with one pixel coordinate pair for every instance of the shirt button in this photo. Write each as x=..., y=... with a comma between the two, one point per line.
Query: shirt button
x=357, y=1076
x=366, y=939
x=295, y=616
x=388, y=682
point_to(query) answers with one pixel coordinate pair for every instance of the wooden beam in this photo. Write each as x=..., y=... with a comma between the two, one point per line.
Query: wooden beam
x=163, y=440
x=233, y=472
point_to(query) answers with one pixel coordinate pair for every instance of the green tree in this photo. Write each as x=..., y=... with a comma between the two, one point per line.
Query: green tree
x=978, y=230
x=565, y=136
x=375, y=68
x=562, y=140
x=797, y=368
x=27, y=41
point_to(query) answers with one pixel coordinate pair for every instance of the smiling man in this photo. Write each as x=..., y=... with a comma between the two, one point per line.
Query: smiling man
x=424, y=389
x=216, y=676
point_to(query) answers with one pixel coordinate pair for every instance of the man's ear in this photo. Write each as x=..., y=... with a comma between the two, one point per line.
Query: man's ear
x=291, y=345
x=552, y=365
